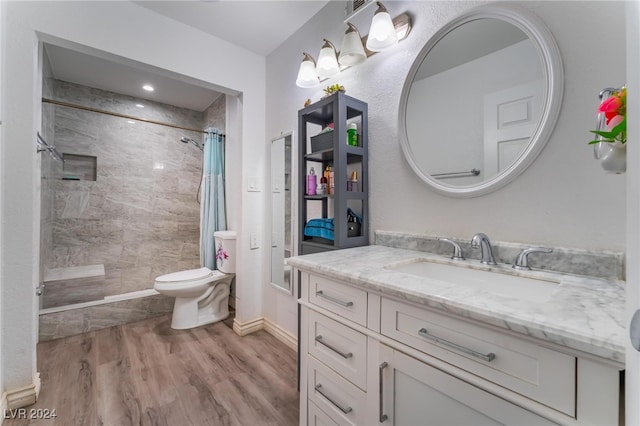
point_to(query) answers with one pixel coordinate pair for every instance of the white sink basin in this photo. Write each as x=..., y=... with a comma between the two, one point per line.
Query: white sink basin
x=534, y=290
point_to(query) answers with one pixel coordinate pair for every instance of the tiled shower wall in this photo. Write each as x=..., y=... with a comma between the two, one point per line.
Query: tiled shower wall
x=140, y=217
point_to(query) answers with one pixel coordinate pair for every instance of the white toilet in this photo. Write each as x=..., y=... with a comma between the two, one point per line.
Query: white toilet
x=202, y=295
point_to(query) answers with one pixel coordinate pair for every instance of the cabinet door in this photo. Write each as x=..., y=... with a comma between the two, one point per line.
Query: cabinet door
x=415, y=393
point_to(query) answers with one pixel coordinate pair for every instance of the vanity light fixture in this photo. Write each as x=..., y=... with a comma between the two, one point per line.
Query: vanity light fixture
x=327, y=60
x=352, y=51
x=382, y=33
x=148, y=87
x=307, y=76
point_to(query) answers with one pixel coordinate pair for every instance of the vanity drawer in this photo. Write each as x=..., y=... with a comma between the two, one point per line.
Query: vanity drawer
x=539, y=373
x=341, y=348
x=339, y=399
x=348, y=302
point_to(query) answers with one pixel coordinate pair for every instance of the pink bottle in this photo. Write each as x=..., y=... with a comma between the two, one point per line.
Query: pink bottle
x=312, y=182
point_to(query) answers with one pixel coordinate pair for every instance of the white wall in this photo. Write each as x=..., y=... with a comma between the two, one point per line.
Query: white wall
x=632, y=391
x=133, y=32
x=2, y=64
x=563, y=199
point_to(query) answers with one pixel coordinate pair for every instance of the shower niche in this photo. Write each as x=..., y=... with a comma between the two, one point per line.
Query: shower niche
x=79, y=167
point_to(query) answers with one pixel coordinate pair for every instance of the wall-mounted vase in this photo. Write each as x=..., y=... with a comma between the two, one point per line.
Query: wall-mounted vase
x=614, y=157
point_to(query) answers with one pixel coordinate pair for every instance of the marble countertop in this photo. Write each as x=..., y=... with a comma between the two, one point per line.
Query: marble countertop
x=583, y=313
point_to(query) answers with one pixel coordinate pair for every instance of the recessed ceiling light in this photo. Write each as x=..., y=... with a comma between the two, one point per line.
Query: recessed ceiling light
x=148, y=87
x=131, y=122
x=140, y=105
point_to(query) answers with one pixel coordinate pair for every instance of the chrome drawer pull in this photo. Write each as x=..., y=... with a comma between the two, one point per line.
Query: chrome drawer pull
x=488, y=357
x=381, y=416
x=319, y=293
x=344, y=410
x=339, y=352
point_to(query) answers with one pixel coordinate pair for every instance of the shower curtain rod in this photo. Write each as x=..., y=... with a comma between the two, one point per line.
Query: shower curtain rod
x=116, y=114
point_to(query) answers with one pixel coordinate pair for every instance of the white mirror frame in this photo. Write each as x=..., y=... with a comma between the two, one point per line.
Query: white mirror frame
x=287, y=287
x=549, y=54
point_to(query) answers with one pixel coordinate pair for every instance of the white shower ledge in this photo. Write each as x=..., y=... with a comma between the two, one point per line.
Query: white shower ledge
x=107, y=299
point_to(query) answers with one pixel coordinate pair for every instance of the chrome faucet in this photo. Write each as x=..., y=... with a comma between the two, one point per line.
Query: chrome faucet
x=522, y=261
x=486, y=255
x=457, y=250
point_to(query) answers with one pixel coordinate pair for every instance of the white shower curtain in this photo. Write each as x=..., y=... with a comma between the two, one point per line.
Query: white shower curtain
x=212, y=207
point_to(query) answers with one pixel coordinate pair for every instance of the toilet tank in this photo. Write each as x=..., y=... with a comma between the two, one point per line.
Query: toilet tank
x=225, y=251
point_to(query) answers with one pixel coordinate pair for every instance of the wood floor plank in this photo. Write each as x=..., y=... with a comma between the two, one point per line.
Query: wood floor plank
x=155, y=389
x=71, y=367
x=110, y=344
x=273, y=369
x=145, y=373
x=248, y=402
x=117, y=403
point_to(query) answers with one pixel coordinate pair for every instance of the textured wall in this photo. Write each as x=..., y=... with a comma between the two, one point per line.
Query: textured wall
x=563, y=199
x=539, y=197
x=140, y=217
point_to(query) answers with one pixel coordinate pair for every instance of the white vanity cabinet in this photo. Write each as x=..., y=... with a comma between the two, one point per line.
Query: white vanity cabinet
x=415, y=393
x=369, y=358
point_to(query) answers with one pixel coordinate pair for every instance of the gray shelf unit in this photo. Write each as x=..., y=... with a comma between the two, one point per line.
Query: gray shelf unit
x=340, y=110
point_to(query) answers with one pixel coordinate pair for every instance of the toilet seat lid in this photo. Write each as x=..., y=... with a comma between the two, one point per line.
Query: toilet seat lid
x=188, y=275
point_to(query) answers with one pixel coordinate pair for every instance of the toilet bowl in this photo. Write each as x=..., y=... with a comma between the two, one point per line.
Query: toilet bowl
x=202, y=295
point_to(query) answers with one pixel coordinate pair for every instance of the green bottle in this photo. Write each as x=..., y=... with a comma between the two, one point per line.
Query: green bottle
x=352, y=135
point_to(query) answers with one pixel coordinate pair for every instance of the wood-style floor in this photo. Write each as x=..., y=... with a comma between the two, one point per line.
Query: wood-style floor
x=145, y=373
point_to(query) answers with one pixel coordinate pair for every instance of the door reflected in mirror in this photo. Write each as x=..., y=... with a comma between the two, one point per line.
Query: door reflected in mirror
x=281, y=225
x=455, y=123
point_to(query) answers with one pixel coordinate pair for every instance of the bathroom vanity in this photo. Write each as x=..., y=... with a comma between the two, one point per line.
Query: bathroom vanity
x=396, y=336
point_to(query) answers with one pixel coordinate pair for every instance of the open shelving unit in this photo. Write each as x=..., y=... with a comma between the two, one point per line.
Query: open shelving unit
x=338, y=110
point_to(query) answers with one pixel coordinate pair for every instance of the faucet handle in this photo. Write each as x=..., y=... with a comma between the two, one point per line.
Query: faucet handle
x=457, y=251
x=521, y=262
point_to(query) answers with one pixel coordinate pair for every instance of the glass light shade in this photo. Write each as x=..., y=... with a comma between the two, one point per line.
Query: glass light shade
x=351, y=51
x=307, y=76
x=327, y=61
x=382, y=33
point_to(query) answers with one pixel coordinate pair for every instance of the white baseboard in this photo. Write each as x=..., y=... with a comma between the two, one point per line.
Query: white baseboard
x=281, y=334
x=242, y=329
x=3, y=407
x=21, y=397
x=37, y=384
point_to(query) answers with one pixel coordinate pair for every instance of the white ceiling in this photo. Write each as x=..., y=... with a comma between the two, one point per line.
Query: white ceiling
x=115, y=76
x=258, y=26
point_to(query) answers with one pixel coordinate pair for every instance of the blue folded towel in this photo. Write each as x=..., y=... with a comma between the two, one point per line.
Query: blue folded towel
x=322, y=227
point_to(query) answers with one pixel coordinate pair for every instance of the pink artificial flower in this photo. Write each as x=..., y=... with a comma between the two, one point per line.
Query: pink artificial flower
x=614, y=121
x=610, y=104
x=610, y=107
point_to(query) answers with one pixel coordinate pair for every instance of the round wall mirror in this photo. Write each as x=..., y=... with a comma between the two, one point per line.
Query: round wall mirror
x=481, y=100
